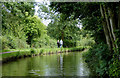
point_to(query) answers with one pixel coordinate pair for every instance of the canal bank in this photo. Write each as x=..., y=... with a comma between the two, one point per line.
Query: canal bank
x=14, y=55
x=61, y=64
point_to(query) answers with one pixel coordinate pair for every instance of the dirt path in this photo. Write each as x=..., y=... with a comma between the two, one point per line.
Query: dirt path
x=8, y=52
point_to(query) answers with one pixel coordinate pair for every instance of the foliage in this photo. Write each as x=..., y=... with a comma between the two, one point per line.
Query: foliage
x=21, y=29
x=44, y=11
x=12, y=42
x=115, y=62
x=33, y=28
x=85, y=42
x=66, y=30
x=88, y=13
x=13, y=13
x=99, y=58
x=94, y=25
x=60, y=27
x=45, y=41
x=115, y=66
x=104, y=25
x=32, y=51
x=69, y=43
x=86, y=38
x=101, y=61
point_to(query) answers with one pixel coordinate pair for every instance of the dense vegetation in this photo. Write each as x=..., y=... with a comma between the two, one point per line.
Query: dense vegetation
x=103, y=21
x=21, y=29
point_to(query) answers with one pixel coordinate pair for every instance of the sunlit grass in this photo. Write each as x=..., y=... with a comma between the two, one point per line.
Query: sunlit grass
x=32, y=51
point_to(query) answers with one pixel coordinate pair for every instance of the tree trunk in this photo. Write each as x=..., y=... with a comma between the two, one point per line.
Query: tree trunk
x=119, y=17
x=108, y=26
x=112, y=24
x=106, y=31
x=119, y=28
x=63, y=32
x=62, y=35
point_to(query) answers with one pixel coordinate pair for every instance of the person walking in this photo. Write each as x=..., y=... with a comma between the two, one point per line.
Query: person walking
x=61, y=43
x=58, y=43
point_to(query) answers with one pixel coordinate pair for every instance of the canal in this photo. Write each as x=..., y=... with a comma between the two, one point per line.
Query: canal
x=64, y=64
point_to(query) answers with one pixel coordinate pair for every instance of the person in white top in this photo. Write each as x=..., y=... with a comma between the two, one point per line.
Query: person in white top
x=61, y=43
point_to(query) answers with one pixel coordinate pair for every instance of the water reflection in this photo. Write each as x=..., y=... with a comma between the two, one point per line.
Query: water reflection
x=65, y=64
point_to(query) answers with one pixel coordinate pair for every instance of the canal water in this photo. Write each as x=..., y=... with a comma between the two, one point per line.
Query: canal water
x=64, y=64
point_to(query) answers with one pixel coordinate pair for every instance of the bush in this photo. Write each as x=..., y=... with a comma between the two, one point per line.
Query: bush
x=12, y=42
x=41, y=51
x=52, y=43
x=98, y=58
x=45, y=42
x=69, y=43
x=115, y=64
x=32, y=51
x=85, y=42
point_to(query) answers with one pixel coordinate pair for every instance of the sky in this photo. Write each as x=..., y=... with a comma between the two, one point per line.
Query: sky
x=44, y=21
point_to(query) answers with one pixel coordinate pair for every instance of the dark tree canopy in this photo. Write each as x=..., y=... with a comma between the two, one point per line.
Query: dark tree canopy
x=79, y=9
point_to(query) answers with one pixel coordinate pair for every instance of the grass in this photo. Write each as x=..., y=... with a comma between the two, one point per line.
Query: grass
x=33, y=51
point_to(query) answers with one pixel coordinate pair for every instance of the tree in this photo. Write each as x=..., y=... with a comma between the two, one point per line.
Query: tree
x=13, y=14
x=34, y=28
x=103, y=20
x=86, y=11
x=66, y=30
x=110, y=23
